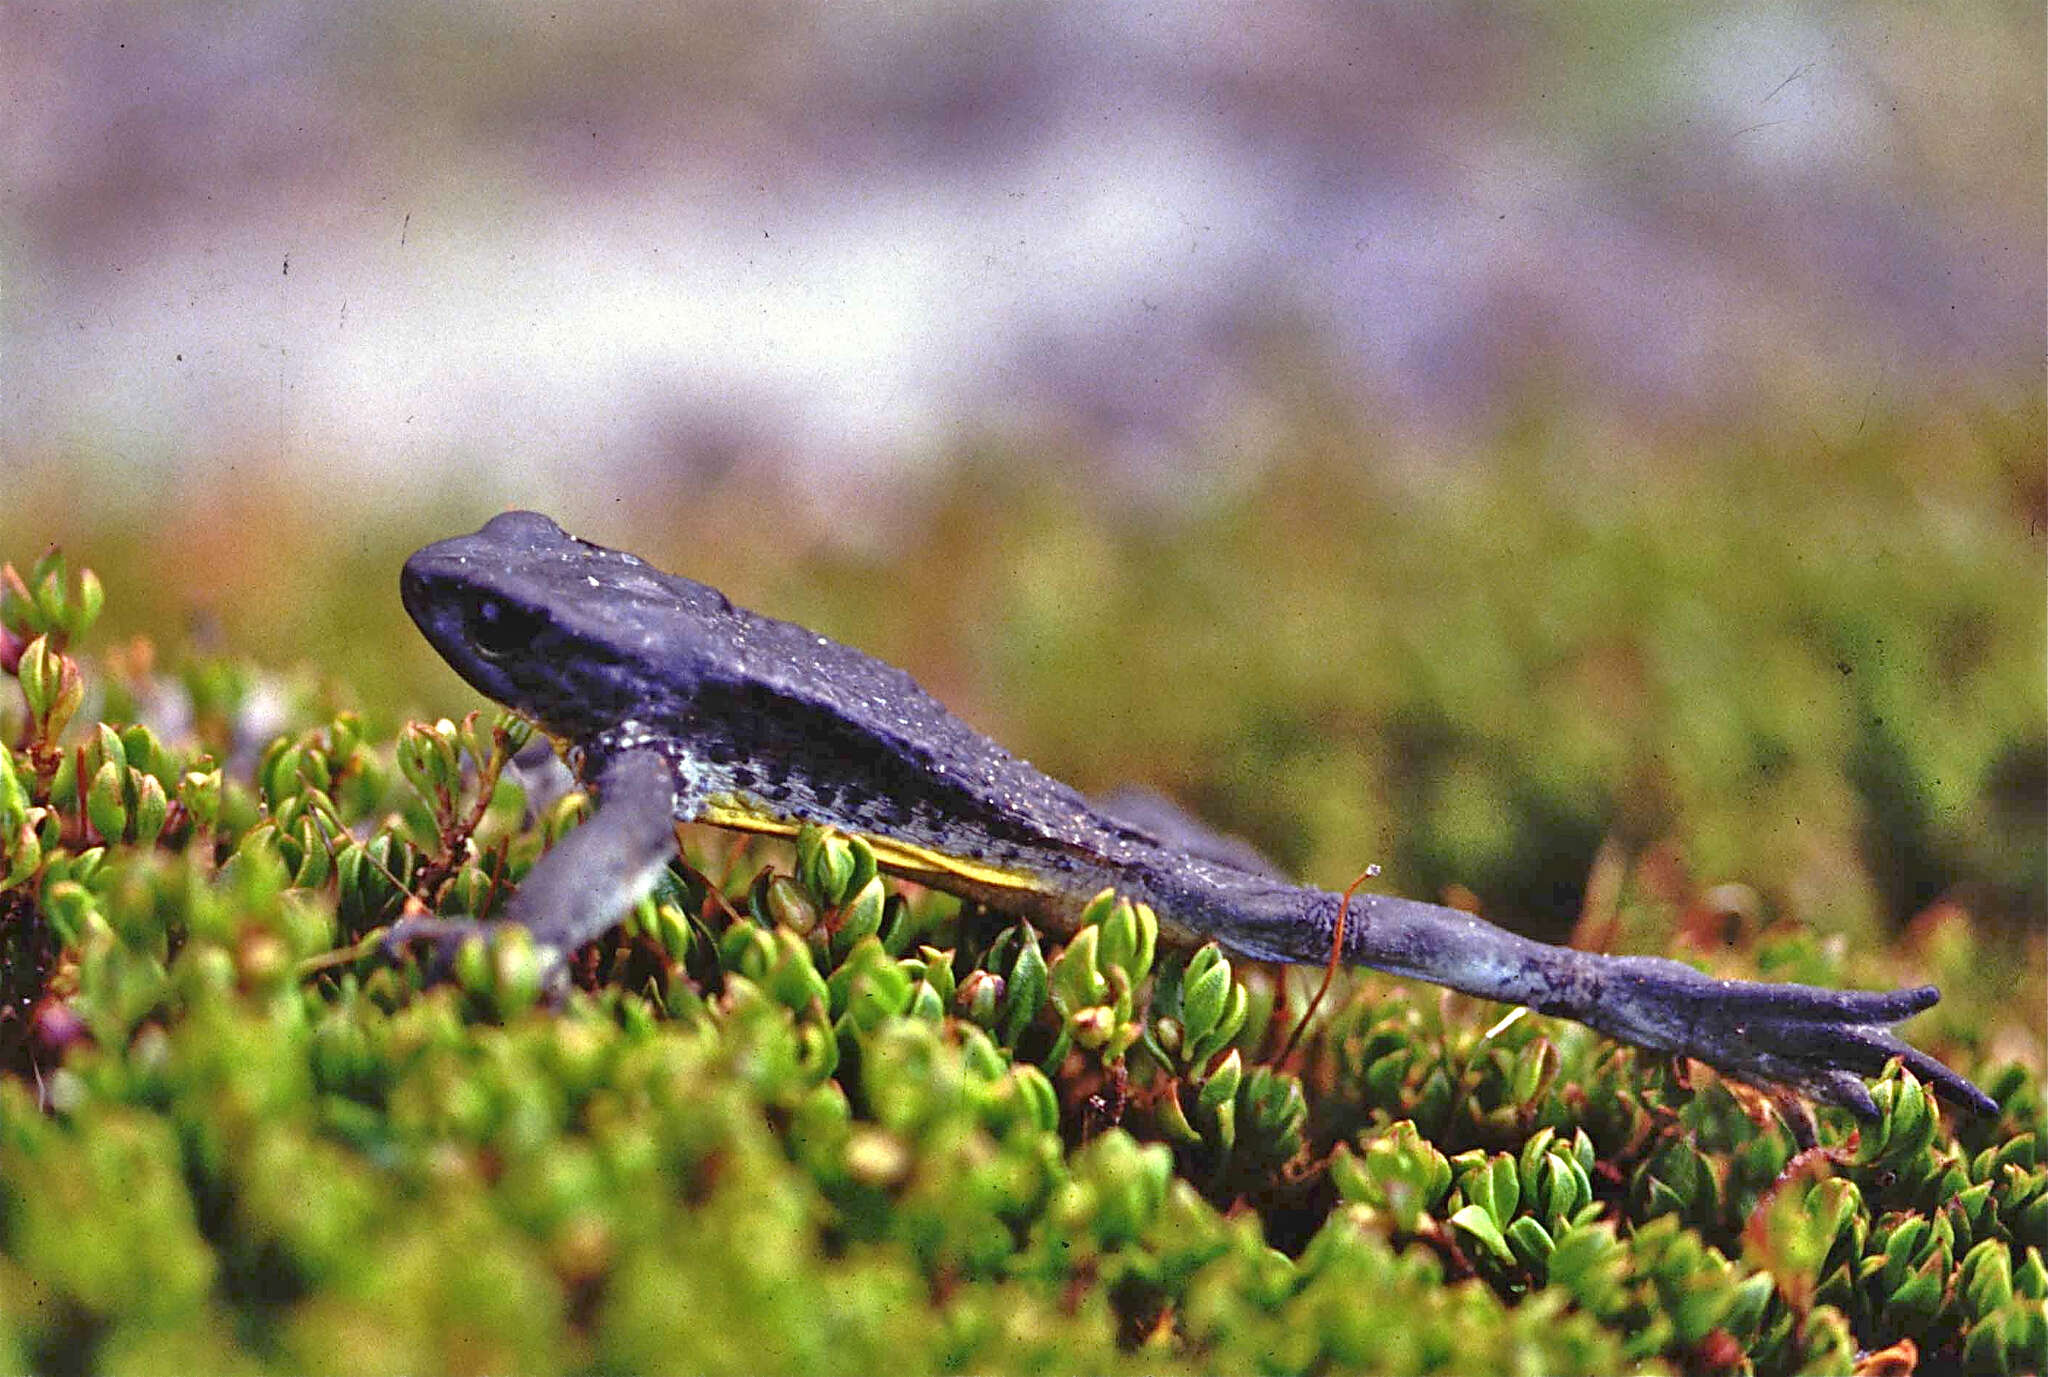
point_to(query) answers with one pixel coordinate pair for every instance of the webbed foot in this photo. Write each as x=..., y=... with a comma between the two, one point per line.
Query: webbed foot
x=444, y=938
x=1822, y=1043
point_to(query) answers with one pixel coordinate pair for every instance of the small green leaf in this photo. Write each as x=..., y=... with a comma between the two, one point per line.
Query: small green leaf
x=1039, y=1094
x=1536, y=1066
x=670, y=927
x=86, y=604
x=51, y=686
x=1216, y=1101
x=1477, y=1224
x=860, y=918
x=1531, y=1244
x=1986, y=1276
x=14, y=795
x=1130, y=934
x=827, y=866
x=17, y=604
x=71, y=910
x=1075, y=981
x=1173, y=1121
x=200, y=793
x=22, y=853
x=104, y=803
x=1745, y=1312
x=786, y=904
x=1027, y=982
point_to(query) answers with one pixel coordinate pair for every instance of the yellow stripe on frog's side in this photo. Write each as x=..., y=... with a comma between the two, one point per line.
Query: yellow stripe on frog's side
x=907, y=859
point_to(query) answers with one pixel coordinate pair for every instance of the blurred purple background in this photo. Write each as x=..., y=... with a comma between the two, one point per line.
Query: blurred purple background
x=500, y=243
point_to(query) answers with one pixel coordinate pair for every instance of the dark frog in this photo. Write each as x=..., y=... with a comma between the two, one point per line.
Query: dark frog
x=683, y=707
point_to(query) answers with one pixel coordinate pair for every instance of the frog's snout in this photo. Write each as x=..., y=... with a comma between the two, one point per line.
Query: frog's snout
x=412, y=591
x=423, y=582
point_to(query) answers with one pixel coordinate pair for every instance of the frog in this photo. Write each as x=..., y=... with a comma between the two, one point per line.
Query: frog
x=675, y=706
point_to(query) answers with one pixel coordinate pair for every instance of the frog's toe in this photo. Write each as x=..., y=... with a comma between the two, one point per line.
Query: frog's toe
x=1822, y=1043
x=513, y=959
x=1829, y=1058
x=443, y=938
x=1844, y=1088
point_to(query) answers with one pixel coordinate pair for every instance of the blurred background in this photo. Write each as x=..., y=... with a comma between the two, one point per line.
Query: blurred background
x=1556, y=452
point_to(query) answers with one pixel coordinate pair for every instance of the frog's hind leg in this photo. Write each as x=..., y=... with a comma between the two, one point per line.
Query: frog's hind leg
x=1819, y=1042
x=590, y=878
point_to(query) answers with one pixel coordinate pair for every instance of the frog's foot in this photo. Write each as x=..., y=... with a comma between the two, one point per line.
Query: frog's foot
x=444, y=937
x=1822, y=1043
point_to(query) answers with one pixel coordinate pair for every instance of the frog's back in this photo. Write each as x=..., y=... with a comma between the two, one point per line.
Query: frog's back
x=608, y=651
x=835, y=733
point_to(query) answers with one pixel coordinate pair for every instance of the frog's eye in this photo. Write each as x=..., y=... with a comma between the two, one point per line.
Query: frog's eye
x=499, y=629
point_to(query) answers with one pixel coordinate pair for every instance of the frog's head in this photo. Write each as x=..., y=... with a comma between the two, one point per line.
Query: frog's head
x=574, y=635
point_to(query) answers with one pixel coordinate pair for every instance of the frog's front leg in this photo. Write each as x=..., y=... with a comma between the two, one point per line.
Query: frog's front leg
x=587, y=881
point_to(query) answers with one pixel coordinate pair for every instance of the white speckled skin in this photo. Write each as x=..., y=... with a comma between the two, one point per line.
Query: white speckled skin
x=633, y=665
